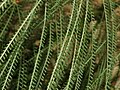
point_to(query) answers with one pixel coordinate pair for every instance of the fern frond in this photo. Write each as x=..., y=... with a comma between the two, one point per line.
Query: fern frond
x=58, y=71
x=101, y=70
x=47, y=61
x=93, y=50
x=92, y=62
x=22, y=29
x=82, y=49
x=8, y=63
x=110, y=28
x=52, y=11
x=13, y=65
x=98, y=79
x=80, y=66
x=6, y=10
x=4, y=5
x=22, y=76
x=2, y=34
x=58, y=36
x=35, y=74
x=61, y=28
x=75, y=50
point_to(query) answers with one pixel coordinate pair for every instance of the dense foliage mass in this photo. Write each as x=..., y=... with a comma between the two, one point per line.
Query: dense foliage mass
x=59, y=45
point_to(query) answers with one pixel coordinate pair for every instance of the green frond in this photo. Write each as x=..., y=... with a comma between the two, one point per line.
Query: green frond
x=94, y=47
x=98, y=80
x=3, y=32
x=18, y=35
x=59, y=44
x=47, y=61
x=10, y=67
x=92, y=61
x=6, y=10
x=59, y=33
x=4, y=5
x=58, y=71
x=22, y=76
x=80, y=53
x=51, y=11
x=35, y=74
x=110, y=29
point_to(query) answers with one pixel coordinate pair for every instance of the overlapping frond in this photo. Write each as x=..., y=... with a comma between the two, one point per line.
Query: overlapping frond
x=110, y=29
x=92, y=61
x=6, y=10
x=22, y=76
x=18, y=35
x=3, y=32
x=47, y=60
x=82, y=50
x=35, y=75
x=93, y=50
x=10, y=67
x=58, y=71
x=4, y=5
x=57, y=44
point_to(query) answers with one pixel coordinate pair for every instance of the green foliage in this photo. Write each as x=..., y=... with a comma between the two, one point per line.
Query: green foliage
x=57, y=45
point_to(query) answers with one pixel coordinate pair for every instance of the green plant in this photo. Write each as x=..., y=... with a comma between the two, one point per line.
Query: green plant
x=76, y=49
